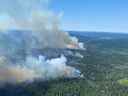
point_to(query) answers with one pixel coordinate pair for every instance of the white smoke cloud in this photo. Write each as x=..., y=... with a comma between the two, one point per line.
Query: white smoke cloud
x=37, y=68
x=40, y=29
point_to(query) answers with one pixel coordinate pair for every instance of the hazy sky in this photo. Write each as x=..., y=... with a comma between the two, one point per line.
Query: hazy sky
x=93, y=15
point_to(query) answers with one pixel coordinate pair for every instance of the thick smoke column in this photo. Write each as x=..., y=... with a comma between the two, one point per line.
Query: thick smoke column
x=34, y=15
x=39, y=28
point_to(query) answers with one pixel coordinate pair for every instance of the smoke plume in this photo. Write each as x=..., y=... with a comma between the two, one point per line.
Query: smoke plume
x=36, y=68
x=26, y=25
x=34, y=15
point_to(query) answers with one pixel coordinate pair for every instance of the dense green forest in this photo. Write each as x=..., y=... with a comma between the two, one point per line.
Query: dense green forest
x=104, y=65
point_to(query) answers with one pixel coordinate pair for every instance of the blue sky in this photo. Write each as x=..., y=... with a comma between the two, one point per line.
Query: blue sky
x=93, y=15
